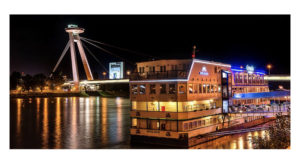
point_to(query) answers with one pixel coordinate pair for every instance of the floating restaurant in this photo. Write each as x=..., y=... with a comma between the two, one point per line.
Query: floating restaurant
x=177, y=102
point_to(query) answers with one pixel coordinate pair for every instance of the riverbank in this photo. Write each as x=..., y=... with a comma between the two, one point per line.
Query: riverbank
x=69, y=94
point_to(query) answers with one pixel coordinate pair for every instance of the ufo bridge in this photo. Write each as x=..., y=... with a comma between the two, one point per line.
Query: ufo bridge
x=74, y=37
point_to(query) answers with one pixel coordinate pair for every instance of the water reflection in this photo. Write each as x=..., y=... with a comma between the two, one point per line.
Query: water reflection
x=73, y=133
x=236, y=141
x=45, y=124
x=89, y=122
x=70, y=122
x=19, y=116
x=119, y=118
x=104, y=120
x=38, y=103
x=58, y=124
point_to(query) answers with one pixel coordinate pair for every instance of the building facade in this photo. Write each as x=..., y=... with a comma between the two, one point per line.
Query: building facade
x=177, y=100
x=246, y=80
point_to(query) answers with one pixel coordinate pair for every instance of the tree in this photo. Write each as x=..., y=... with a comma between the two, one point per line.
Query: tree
x=56, y=80
x=14, y=80
x=278, y=135
x=27, y=82
x=39, y=80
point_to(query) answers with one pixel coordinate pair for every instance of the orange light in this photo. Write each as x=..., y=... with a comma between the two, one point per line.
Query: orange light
x=241, y=67
x=269, y=66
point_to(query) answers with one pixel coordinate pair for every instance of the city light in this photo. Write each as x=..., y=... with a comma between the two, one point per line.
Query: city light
x=128, y=72
x=269, y=66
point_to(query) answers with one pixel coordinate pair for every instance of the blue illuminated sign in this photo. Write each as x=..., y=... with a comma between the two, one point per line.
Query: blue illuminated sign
x=250, y=69
x=203, y=71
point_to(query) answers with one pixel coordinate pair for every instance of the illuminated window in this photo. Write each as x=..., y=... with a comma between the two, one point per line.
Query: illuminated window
x=173, y=67
x=245, y=79
x=208, y=88
x=195, y=124
x=182, y=88
x=204, y=88
x=219, y=88
x=190, y=88
x=215, y=120
x=185, y=126
x=134, y=89
x=195, y=88
x=134, y=122
x=190, y=125
x=172, y=89
x=152, y=89
x=142, y=89
x=141, y=69
x=152, y=68
x=199, y=123
x=163, y=89
x=200, y=88
x=163, y=68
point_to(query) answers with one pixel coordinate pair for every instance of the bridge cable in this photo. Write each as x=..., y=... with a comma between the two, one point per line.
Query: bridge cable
x=123, y=49
x=94, y=56
x=107, y=51
x=61, y=57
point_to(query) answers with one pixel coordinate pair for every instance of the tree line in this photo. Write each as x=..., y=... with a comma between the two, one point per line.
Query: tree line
x=277, y=137
x=35, y=82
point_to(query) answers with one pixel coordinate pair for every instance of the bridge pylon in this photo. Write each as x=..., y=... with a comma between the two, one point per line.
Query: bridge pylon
x=74, y=32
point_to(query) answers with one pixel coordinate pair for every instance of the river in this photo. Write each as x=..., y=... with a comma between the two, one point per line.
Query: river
x=86, y=123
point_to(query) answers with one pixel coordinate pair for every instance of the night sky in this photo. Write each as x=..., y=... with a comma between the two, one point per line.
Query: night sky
x=36, y=41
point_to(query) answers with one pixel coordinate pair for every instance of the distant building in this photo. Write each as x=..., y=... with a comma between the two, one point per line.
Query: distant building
x=116, y=70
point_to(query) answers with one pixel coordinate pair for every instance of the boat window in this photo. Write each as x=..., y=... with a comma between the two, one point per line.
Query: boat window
x=172, y=89
x=152, y=89
x=208, y=88
x=182, y=88
x=200, y=88
x=163, y=89
x=190, y=88
x=204, y=88
x=134, y=122
x=142, y=89
x=134, y=89
x=195, y=88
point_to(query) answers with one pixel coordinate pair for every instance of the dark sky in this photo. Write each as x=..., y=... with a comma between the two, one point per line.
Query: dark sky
x=36, y=41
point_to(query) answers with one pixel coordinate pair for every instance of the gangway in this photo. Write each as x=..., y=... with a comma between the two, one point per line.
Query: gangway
x=238, y=131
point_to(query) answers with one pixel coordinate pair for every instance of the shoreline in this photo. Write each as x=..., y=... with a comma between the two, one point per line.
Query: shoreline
x=69, y=94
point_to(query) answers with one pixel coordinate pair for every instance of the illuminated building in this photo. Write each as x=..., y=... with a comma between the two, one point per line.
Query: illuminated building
x=249, y=81
x=176, y=101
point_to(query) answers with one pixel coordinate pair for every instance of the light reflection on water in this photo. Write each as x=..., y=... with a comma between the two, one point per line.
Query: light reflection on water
x=45, y=124
x=236, y=141
x=70, y=122
x=89, y=122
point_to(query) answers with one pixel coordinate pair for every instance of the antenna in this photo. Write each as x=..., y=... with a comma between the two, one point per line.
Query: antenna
x=194, y=52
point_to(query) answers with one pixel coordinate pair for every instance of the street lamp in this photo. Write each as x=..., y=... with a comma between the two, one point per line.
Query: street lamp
x=104, y=74
x=269, y=66
x=128, y=72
